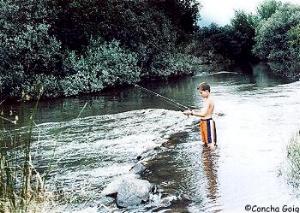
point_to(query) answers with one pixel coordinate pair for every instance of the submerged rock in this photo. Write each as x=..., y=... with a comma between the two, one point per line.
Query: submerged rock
x=128, y=190
x=133, y=192
x=138, y=168
x=113, y=187
x=147, y=154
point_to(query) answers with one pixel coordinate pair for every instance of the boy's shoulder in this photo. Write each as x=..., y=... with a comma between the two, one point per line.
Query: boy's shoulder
x=210, y=100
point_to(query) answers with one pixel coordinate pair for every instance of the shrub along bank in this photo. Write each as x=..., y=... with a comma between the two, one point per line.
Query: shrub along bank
x=81, y=47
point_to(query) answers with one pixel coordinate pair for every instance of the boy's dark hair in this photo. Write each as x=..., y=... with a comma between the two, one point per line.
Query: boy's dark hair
x=204, y=86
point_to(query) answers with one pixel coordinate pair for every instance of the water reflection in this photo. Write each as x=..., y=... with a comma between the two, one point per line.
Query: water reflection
x=209, y=160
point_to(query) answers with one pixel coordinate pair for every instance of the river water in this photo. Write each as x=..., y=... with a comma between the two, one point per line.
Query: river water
x=95, y=139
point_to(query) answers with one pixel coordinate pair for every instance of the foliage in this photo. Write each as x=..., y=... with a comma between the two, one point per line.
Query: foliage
x=214, y=40
x=26, y=48
x=277, y=37
x=104, y=65
x=21, y=185
x=273, y=41
x=36, y=39
x=183, y=14
x=287, y=69
x=267, y=8
x=294, y=160
x=169, y=65
x=233, y=41
x=294, y=42
x=243, y=25
x=145, y=27
x=130, y=22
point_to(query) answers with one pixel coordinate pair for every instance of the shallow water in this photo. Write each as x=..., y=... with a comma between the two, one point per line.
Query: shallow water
x=261, y=114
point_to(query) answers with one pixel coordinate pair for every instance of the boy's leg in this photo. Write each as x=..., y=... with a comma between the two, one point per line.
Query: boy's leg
x=212, y=146
x=203, y=132
x=212, y=134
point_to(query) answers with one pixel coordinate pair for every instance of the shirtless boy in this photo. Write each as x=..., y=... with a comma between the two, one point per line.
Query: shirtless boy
x=207, y=124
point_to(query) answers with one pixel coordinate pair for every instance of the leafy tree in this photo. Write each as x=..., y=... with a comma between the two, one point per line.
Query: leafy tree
x=25, y=45
x=294, y=42
x=36, y=38
x=173, y=64
x=145, y=27
x=267, y=8
x=184, y=14
x=225, y=41
x=272, y=40
x=244, y=32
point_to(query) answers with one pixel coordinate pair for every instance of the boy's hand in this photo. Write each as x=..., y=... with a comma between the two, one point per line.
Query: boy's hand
x=187, y=112
x=219, y=114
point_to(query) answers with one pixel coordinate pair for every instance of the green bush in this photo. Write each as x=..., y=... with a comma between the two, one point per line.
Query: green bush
x=50, y=83
x=26, y=48
x=36, y=38
x=104, y=65
x=171, y=65
x=293, y=156
x=31, y=52
x=272, y=40
x=294, y=42
x=267, y=8
x=243, y=26
x=287, y=69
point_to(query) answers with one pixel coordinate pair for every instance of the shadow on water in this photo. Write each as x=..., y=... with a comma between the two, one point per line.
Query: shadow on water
x=165, y=164
x=187, y=170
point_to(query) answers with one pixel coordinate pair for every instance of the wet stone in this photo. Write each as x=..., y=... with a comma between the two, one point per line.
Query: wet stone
x=138, y=168
x=113, y=187
x=133, y=192
x=147, y=154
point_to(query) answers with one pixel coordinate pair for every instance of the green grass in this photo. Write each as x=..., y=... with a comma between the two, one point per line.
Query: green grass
x=293, y=156
x=22, y=188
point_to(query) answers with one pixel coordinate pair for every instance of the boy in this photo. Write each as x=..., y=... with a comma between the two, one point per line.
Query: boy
x=207, y=124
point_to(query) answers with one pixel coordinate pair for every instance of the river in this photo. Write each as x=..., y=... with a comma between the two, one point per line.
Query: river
x=94, y=139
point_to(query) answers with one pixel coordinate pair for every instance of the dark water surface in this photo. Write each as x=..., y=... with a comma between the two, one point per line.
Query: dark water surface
x=99, y=142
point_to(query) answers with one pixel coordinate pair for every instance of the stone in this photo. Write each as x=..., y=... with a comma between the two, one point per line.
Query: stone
x=138, y=168
x=112, y=188
x=133, y=192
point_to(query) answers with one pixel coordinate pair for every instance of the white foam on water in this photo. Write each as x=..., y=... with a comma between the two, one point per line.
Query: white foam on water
x=92, y=151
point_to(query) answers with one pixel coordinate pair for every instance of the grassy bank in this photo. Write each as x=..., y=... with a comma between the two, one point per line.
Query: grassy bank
x=294, y=160
x=22, y=187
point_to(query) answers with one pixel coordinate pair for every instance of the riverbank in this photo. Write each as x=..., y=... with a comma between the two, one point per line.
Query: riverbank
x=96, y=77
x=293, y=155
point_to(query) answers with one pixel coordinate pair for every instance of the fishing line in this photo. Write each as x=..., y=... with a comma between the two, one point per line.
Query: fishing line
x=174, y=103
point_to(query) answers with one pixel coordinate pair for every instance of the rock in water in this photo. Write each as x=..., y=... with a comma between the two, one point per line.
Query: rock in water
x=112, y=188
x=138, y=168
x=133, y=192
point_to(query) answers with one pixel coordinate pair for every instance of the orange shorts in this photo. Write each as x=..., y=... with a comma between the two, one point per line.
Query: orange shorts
x=208, y=131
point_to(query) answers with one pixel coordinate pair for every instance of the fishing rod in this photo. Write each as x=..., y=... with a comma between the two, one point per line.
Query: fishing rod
x=174, y=103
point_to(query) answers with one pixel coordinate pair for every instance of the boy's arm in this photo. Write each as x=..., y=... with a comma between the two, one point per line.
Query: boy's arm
x=202, y=113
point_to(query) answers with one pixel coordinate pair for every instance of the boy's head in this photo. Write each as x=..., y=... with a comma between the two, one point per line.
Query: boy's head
x=204, y=89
